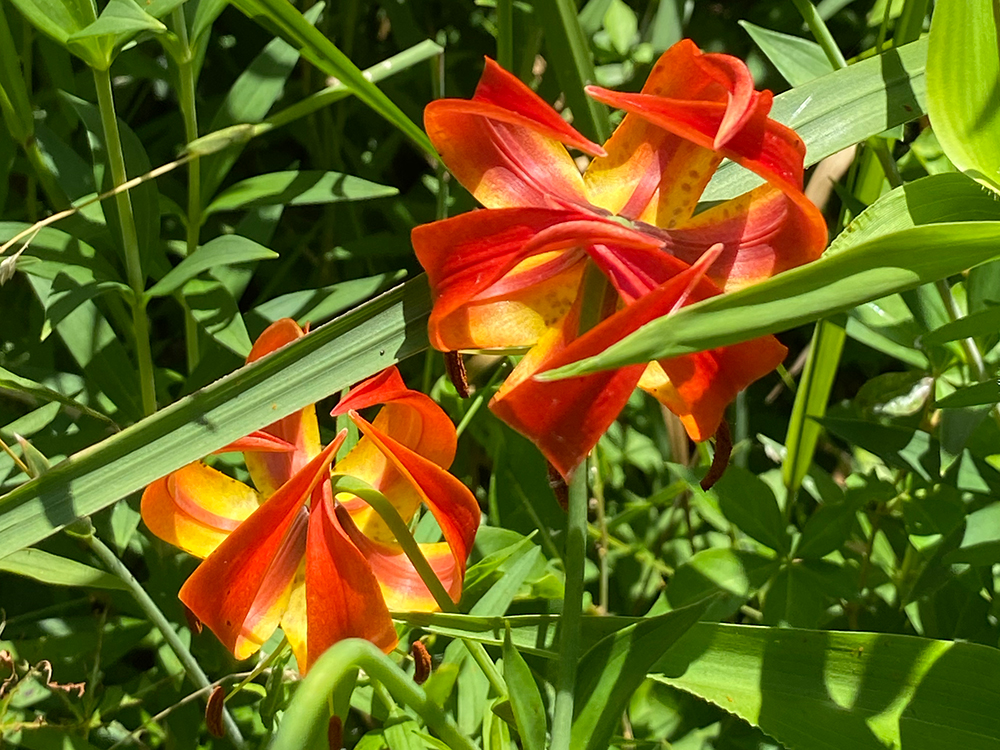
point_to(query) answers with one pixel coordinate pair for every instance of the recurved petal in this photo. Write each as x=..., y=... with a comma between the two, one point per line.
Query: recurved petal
x=508, y=272
x=409, y=417
x=564, y=419
x=270, y=469
x=505, y=145
x=342, y=597
x=656, y=175
x=699, y=387
x=451, y=502
x=763, y=232
x=241, y=589
x=402, y=587
x=196, y=508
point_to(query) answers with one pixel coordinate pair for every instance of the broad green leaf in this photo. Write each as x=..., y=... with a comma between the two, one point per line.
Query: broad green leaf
x=57, y=571
x=973, y=395
x=612, y=670
x=249, y=100
x=919, y=452
x=798, y=60
x=963, y=66
x=569, y=55
x=225, y=250
x=895, y=245
x=319, y=305
x=749, y=503
x=981, y=323
x=840, y=109
x=14, y=103
x=119, y=21
x=15, y=382
x=296, y=189
x=735, y=574
x=817, y=690
x=217, y=311
x=826, y=530
x=793, y=599
x=57, y=19
x=981, y=541
x=291, y=25
x=621, y=24
x=204, y=17
x=329, y=359
x=67, y=295
x=525, y=699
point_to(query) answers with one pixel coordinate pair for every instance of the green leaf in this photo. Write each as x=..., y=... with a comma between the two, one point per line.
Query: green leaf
x=291, y=25
x=319, y=305
x=981, y=323
x=872, y=260
x=57, y=571
x=217, y=312
x=814, y=690
x=749, y=503
x=980, y=543
x=297, y=189
x=621, y=24
x=798, y=60
x=811, y=399
x=569, y=55
x=15, y=382
x=879, y=93
x=329, y=359
x=120, y=20
x=826, y=530
x=973, y=395
x=612, y=670
x=735, y=574
x=525, y=699
x=57, y=19
x=963, y=100
x=227, y=250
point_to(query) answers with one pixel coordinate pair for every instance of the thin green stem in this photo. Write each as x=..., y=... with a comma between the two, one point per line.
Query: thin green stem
x=388, y=513
x=130, y=239
x=306, y=719
x=821, y=33
x=569, y=623
x=505, y=34
x=969, y=346
x=148, y=606
x=189, y=113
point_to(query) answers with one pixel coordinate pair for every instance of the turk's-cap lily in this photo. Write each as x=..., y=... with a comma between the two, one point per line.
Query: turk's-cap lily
x=513, y=275
x=288, y=551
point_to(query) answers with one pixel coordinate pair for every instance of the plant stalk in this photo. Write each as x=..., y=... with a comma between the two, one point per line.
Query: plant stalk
x=130, y=240
x=572, y=614
x=148, y=606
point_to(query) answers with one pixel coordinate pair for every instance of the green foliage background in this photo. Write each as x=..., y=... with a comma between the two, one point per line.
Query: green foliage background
x=836, y=589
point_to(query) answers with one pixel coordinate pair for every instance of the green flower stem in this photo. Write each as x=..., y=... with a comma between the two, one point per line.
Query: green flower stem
x=505, y=34
x=148, y=606
x=130, y=239
x=388, y=513
x=189, y=113
x=306, y=719
x=821, y=33
x=569, y=623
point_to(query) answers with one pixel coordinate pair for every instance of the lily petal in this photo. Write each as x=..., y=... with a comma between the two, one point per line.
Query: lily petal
x=564, y=419
x=258, y=441
x=241, y=589
x=402, y=587
x=196, y=507
x=763, y=233
x=269, y=470
x=343, y=599
x=654, y=175
x=477, y=263
x=505, y=144
x=451, y=502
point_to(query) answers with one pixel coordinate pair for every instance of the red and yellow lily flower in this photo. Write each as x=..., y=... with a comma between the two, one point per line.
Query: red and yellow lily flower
x=513, y=275
x=291, y=553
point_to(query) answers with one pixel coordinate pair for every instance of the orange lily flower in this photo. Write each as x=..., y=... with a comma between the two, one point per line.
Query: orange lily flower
x=289, y=552
x=513, y=275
